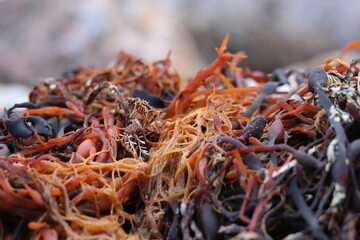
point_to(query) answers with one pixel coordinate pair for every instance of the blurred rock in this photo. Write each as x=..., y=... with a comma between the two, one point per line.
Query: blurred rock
x=316, y=60
x=13, y=93
x=41, y=38
x=273, y=32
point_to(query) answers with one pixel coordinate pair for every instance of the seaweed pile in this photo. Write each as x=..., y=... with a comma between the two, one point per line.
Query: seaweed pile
x=125, y=153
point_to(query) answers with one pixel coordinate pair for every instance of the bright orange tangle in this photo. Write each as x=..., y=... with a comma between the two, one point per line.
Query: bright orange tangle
x=124, y=153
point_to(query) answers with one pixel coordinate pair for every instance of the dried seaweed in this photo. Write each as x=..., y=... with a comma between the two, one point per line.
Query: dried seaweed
x=124, y=153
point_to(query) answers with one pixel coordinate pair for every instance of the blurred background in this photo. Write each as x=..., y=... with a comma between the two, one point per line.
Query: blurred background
x=41, y=38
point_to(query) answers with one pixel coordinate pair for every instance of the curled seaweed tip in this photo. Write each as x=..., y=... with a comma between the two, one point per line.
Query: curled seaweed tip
x=254, y=128
x=317, y=79
x=276, y=131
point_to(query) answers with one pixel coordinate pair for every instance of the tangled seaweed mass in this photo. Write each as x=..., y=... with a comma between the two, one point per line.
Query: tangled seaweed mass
x=123, y=153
